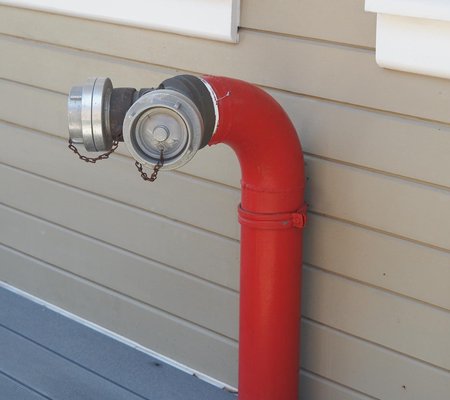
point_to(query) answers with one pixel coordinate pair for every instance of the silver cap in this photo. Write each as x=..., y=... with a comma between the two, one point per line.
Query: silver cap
x=163, y=120
x=88, y=113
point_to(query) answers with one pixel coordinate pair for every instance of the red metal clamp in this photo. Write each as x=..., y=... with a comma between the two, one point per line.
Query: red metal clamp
x=296, y=219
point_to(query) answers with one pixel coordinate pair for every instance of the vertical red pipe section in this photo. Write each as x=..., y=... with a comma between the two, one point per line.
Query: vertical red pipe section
x=272, y=215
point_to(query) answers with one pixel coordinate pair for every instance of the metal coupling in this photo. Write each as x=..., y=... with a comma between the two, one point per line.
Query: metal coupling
x=169, y=123
x=163, y=121
x=88, y=114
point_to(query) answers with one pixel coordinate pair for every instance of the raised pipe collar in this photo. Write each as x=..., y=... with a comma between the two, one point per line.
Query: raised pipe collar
x=195, y=89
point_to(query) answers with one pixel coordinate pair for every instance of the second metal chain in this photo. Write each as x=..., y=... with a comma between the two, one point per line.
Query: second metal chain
x=156, y=169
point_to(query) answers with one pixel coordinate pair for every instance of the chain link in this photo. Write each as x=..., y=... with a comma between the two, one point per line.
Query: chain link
x=156, y=169
x=93, y=160
x=106, y=155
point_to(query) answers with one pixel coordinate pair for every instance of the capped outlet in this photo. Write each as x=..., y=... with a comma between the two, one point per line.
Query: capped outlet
x=88, y=114
x=171, y=122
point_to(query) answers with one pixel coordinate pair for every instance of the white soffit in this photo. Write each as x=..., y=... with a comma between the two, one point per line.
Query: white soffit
x=413, y=35
x=211, y=19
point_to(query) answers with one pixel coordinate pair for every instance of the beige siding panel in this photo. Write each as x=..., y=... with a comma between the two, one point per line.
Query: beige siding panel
x=380, y=260
x=373, y=140
x=393, y=263
x=317, y=69
x=58, y=68
x=314, y=387
x=197, y=252
x=337, y=21
x=345, y=249
x=381, y=318
x=378, y=316
x=325, y=352
x=334, y=131
x=179, y=197
x=40, y=109
x=185, y=296
x=333, y=189
x=321, y=291
x=175, y=338
x=368, y=368
x=390, y=204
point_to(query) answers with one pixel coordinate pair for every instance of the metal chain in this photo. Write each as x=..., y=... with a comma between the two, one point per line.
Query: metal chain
x=106, y=155
x=156, y=169
x=93, y=160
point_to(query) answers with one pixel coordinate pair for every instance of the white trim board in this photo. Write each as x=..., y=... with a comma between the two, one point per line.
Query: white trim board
x=413, y=35
x=211, y=19
x=430, y=9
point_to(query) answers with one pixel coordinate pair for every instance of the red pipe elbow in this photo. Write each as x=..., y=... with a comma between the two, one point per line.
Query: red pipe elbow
x=271, y=214
x=266, y=143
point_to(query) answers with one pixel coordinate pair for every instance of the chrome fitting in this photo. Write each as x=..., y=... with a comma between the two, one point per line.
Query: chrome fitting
x=88, y=114
x=164, y=120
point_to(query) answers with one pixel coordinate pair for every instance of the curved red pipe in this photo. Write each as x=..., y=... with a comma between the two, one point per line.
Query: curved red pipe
x=272, y=215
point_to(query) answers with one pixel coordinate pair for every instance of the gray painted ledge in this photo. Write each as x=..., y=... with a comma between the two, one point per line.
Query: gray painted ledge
x=44, y=355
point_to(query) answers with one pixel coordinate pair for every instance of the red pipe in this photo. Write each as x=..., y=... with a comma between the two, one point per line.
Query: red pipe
x=272, y=214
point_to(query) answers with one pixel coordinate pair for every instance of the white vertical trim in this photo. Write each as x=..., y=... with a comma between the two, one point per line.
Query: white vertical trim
x=211, y=19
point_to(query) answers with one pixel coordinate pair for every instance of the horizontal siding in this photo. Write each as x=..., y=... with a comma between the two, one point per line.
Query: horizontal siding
x=315, y=387
x=368, y=368
x=358, y=253
x=335, y=190
x=328, y=299
x=378, y=259
x=158, y=285
x=328, y=355
x=200, y=208
x=326, y=130
x=312, y=68
x=376, y=294
x=95, y=216
x=377, y=316
x=341, y=21
x=146, y=325
x=386, y=203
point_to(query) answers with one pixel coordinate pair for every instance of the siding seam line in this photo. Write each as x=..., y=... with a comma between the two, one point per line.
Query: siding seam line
x=231, y=341
x=118, y=294
x=158, y=264
x=379, y=172
x=380, y=231
x=122, y=204
x=379, y=345
x=375, y=287
x=322, y=41
x=220, y=236
x=350, y=389
x=173, y=71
